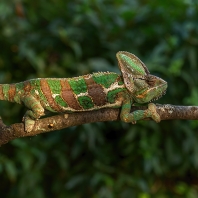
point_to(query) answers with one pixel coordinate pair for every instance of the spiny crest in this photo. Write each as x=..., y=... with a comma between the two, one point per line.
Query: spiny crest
x=99, y=73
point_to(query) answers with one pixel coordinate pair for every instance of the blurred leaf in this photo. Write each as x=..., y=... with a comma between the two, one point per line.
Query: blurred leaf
x=10, y=170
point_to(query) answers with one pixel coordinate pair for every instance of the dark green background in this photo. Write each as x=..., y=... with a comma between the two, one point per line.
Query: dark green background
x=60, y=38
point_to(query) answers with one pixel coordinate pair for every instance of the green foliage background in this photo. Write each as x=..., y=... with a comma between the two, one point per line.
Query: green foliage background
x=60, y=38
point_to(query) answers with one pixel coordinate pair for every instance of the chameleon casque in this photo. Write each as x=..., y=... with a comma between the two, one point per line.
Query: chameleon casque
x=90, y=92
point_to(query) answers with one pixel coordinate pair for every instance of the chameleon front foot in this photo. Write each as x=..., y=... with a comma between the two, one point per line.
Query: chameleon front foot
x=153, y=113
x=134, y=116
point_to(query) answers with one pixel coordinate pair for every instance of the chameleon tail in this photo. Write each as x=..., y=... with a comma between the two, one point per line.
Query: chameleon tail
x=8, y=93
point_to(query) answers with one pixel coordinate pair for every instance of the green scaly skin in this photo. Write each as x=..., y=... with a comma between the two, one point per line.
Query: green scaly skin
x=90, y=92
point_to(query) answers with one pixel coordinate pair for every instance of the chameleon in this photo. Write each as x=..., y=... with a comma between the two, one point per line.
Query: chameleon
x=90, y=92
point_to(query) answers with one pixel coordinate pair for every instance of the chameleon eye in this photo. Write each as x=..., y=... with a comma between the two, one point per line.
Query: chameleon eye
x=151, y=81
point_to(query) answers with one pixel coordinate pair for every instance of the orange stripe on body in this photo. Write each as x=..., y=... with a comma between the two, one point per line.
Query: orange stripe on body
x=47, y=92
x=12, y=92
x=27, y=87
x=68, y=95
x=1, y=93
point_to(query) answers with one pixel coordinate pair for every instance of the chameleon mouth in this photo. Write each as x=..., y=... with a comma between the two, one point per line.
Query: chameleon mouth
x=164, y=88
x=158, y=97
x=160, y=93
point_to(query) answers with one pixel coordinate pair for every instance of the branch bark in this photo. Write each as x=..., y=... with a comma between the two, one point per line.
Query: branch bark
x=57, y=122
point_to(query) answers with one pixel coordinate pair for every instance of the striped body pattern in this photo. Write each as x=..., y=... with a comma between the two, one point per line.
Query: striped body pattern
x=90, y=92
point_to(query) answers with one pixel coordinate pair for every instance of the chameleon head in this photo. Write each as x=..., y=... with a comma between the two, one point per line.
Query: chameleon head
x=148, y=89
x=143, y=86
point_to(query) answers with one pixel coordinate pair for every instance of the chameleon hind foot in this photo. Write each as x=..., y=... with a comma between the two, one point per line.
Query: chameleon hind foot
x=29, y=123
x=35, y=112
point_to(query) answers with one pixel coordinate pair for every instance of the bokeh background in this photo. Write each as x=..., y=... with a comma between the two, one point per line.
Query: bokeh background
x=62, y=38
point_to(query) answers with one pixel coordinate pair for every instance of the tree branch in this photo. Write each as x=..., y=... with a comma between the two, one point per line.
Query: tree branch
x=57, y=122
